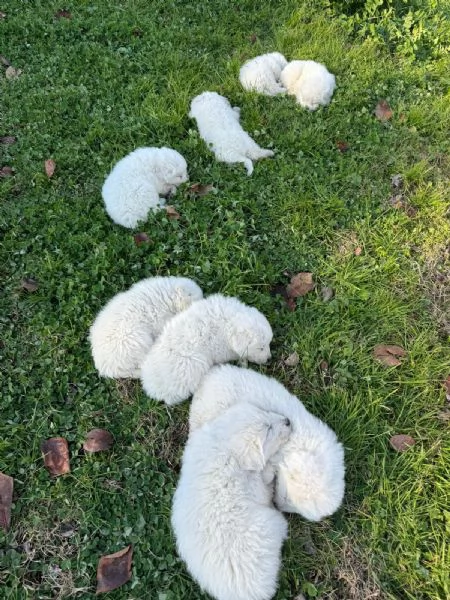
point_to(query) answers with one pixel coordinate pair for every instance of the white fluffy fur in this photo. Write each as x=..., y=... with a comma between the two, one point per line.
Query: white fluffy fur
x=125, y=329
x=262, y=74
x=310, y=467
x=218, y=124
x=137, y=181
x=227, y=530
x=310, y=82
x=214, y=330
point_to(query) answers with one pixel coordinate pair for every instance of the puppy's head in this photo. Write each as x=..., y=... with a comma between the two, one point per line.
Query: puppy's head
x=170, y=168
x=292, y=73
x=310, y=475
x=205, y=102
x=277, y=59
x=250, y=335
x=254, y=435
x=186, y=292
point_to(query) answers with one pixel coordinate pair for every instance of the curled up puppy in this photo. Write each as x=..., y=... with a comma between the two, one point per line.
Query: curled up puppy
x=226, y=528
x=218, y=124
x=126, y=327
x=215, y=330
x=310, y=82
x=262, y=74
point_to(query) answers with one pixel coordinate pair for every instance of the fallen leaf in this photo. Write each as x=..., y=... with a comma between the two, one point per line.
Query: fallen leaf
x=98, y=440
x=63, y=14
x=7, y=140
x=50, y=167
x=399, y=203
x=56, y=455
x=388, y=355
x=446, y=383
x=114, y=570
x=12, y=73
x=383, y=111
x=396, y=181
x=141, y=238
x=342, y=146
x=357, y=251
x=172, y=213
x=29, y=284
x=6, y=172
x=6, y=493
x=292, y=360
x=327, y=293
x=5, y=62
x=300, y=284
x=200, y=189
x=402, y=442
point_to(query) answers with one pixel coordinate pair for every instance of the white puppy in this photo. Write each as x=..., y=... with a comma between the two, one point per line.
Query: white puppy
x=127, y=326
x=135, y=184
x=214, y=330
x=262, y=74
x=310, y=467
x=310, y=82
x=227, y=530
x=218, y=124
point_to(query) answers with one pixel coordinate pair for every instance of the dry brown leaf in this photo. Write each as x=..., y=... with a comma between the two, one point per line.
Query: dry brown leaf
x=49, y=166
x=402, y=442
x=200, y=189
x=300, y=284
x=172, y=213
x=342, y=146
x=63, y=14
x=98, y=440
x=141, y=238
x=114, y=570
x=446, y=383
x=6, y=494
x=292, y=360
x=29, y=284
x=327, y=293
x=357, y=251
x=6, y=172
x=12, y=73
x=383, y=111
x=389, y=355
x=398, y=202
x=7, y=140
x=56, y=455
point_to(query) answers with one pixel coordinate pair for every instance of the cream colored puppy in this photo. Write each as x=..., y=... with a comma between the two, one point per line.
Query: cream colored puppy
x=262, y=74
x=310, y=82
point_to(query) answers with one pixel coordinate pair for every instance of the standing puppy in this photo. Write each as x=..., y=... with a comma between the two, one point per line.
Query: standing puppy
x=212, y=331
x=218, y=124
x=137, y=182
x=227, y=530
x=310, y=82
x=262, y=74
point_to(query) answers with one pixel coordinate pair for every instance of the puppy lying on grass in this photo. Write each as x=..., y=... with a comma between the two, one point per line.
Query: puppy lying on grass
x=218, y=124
x=309, y=468
x=125, y=329
x=212, y=331
x=137, y=182
x=262, y=74
x=310, y=82
x=227, y=530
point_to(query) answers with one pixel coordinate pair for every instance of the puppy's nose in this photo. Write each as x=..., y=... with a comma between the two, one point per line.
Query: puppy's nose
x=287, y=422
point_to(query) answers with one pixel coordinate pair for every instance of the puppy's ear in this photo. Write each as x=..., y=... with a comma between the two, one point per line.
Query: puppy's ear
x=239, y=335
x=250, y=454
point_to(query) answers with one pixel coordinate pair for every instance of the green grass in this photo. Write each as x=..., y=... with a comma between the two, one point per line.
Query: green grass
x=91, y=91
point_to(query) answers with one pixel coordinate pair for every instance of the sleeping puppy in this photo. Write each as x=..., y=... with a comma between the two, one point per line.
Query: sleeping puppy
x=310, y=82
x=309, y=468
x=226, y=528
x=135, y=185
x=212, y=331
x=218, y=124
x=262, y=74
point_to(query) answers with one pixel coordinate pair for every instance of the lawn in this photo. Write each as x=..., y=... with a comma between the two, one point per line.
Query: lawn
x=359, y=202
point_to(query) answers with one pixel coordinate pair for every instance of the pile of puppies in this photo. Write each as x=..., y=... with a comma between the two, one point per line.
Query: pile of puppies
x=253, y=448
x=140, y=180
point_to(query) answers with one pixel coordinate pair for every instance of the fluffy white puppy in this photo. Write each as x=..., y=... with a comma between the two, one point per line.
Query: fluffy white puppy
x=227, y=530
x=309, y=81
x=310, y=467
x=262, y=74
x=137, y=182
x=127, y=326
x=218, y=124
x=212, y=331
